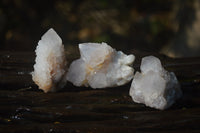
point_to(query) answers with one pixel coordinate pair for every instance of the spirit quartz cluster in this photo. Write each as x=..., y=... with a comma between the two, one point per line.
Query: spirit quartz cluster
x=101, y=66
x=154, y=86
x=50, y=65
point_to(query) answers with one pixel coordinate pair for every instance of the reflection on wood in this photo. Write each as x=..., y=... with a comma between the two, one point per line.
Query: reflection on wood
x=24, y=108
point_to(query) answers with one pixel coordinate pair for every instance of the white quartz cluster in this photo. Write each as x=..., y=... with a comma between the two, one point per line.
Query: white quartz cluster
x=100, y=66
x=50, y=65
x=154, y=86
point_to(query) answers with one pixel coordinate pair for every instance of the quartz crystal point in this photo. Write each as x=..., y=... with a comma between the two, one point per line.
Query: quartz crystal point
x=100, y=66
x=50, y=65
x=154, y=86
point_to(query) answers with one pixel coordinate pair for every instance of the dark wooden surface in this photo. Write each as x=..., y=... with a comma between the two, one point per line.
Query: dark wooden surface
x=24, y=108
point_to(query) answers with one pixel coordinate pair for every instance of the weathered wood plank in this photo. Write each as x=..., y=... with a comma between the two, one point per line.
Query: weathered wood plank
x=24, y=108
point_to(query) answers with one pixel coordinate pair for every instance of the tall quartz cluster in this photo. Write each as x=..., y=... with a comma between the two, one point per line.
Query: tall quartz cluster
x=154, y=86
x=50, y=65
x=100, y=66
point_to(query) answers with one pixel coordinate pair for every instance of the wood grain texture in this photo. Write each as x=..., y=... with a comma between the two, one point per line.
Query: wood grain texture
x=24, y=108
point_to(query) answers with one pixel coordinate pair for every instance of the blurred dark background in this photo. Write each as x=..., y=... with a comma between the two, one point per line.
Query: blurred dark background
x=169, y=27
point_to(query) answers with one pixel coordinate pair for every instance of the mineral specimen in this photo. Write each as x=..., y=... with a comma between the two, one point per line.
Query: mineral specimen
x=154, y=86
x=100, y=66
x=50, y=65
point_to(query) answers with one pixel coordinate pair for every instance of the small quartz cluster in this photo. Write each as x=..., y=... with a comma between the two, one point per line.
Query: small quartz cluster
x=50, y=65
x=100, y=66
x=154, y=86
